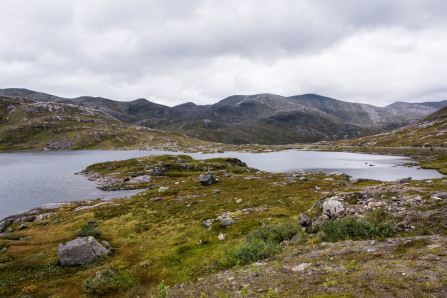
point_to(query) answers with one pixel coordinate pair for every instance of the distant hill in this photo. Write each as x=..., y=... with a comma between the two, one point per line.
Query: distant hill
x=29, y=125
x=260, y=118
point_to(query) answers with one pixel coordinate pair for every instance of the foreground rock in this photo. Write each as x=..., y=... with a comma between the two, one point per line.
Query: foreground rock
x=80, y=251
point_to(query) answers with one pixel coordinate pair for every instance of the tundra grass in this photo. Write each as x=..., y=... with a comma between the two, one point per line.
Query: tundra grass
x=156, y=236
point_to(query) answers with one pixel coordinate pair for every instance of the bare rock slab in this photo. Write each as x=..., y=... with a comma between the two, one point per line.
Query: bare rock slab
x=80, y=251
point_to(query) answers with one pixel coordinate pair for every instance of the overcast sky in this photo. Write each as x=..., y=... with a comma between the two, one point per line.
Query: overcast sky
x=170, y=52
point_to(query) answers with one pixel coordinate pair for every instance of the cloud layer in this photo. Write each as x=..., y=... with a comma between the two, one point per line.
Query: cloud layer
x=169, y=51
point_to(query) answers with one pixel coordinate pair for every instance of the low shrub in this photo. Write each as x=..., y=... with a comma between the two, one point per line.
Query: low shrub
x=275, y=233
x=104, y=282
x=254, y=250
x=87, y=231
x=262, y=243
x=351, y=228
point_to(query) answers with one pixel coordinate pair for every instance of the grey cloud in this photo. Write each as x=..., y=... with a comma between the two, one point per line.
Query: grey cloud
x=175, y=51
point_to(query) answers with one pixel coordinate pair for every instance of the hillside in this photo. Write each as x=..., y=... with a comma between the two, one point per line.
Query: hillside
x=29, y=125
x=428, y=132
x=260, y=118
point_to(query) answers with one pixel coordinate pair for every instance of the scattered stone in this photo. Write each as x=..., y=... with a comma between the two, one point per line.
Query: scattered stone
x=221, y=236
x=215, y=192
x=207, y=223
x=429, y=182
x=3, y=249
x=403, y=180
x=304, y=220
x=106, y=244
x=92, y=223
x=304, y=179
x=301, y=267
x=89, y=207
x=43, y=216
x=80, y=251
x=163, y=189
x=207, y=179
x=238, y=201
x=333, y=208
x=22, y=227
x=226, y=222
x=226, y=175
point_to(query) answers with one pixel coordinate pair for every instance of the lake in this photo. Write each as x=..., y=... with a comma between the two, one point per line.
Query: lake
x=30, y=179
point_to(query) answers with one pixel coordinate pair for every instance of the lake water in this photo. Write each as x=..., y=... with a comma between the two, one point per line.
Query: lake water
x=30, y=179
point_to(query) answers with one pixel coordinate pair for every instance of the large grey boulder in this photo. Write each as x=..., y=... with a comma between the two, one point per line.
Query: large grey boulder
x=403, y=180
x=80, y=251
x=333, y=208
x=207, y=179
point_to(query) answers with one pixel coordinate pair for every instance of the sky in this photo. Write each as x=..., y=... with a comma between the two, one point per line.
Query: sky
x=176, y=51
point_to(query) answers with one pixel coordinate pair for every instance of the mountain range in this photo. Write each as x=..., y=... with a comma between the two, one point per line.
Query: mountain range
x=260, y=118
x=27, y=125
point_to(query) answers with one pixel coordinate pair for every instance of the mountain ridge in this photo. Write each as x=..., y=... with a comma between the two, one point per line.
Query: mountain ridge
x=260, y=118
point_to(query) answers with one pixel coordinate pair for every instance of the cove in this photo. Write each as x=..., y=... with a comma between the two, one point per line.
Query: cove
x=30, y=179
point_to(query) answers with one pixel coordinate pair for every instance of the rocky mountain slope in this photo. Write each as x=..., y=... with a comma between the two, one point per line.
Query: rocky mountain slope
x=428, y=132
x=29, y=125
x=261, y=118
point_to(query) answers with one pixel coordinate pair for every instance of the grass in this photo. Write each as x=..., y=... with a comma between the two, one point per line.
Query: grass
x=157, y=240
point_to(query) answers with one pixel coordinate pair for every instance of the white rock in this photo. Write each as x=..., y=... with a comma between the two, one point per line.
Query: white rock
x=333, y=208
x=301, y=267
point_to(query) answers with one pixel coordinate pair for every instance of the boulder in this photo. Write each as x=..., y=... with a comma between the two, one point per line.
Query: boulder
x=441, y=195
x=4, y=225
x=357, y=180
x=140, y=179
x=236, y=161
x=304, y=220
x=207, y=179
x=317, y=223
x=80, y=251
x=163, y=189
x=221, y=236
x=92, y=223
x=333, y=208
x=403, y=180
x=301, y=267
x=226, y=222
